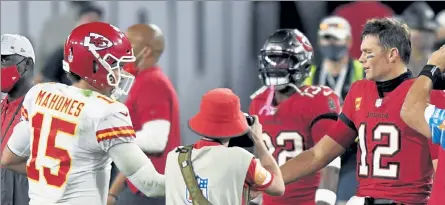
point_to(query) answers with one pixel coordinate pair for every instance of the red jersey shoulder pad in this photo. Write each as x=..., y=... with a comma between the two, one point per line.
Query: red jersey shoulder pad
x=322, y=99
x=360, y=86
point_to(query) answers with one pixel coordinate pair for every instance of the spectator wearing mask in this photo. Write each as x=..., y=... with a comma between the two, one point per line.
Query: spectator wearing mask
x=338, y=71
x=209, y=170
x=154, y=110
x=420, y=18
x=52, y=70
x=16, y=79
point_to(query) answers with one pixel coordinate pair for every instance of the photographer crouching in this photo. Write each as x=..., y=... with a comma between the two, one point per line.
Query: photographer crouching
x=211, y=172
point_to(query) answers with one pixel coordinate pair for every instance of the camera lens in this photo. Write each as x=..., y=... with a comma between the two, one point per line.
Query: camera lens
x=250, y=120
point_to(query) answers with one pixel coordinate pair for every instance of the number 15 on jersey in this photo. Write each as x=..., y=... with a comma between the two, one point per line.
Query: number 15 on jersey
x=51, y=156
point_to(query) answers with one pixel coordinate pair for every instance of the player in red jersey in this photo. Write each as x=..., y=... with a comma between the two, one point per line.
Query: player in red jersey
x=294, y=116
x=417, y=108
x=394, y=161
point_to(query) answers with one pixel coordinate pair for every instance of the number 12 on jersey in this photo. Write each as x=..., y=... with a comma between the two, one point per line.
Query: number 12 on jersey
x=51, y=151
x=391, y=171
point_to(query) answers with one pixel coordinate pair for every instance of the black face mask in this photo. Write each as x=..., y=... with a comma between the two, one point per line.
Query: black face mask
x=334, y=52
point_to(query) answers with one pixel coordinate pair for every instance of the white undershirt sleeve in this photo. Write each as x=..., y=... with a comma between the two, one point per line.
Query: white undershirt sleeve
x=153, y=136
x=19, y=142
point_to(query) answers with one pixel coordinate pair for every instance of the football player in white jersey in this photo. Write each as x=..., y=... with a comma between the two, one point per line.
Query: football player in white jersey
x=69, y=135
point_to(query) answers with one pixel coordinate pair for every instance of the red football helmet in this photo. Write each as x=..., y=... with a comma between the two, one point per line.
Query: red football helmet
x=97, y=52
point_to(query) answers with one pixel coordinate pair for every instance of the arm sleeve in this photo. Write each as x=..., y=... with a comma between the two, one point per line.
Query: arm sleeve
x=132, y=162
x=344, y=130
x=20, y=139
x=115, y=128
x=258, y=178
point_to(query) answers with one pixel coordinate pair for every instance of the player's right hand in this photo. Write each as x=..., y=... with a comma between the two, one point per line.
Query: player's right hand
x=438, y=58
x=256, y=130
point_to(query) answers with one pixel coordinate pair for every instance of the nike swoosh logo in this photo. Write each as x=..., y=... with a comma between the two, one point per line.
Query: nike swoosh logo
x=124, y=114
x=326, y=93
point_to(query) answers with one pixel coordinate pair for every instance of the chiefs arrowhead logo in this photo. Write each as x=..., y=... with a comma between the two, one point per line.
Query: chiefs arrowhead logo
x=96, y=42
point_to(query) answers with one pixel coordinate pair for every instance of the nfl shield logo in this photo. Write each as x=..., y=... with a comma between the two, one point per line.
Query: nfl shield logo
x=203, y=185
x=378, y=102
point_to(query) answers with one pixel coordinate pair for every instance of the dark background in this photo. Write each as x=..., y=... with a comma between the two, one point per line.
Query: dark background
x=289, y=16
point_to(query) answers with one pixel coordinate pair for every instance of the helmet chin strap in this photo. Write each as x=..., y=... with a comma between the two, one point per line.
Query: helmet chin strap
x=291, y=85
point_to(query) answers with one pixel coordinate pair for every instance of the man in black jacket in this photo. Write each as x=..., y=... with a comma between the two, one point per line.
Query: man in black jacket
x=53, y=71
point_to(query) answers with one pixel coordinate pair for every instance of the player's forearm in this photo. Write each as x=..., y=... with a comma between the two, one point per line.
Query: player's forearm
x=300, y=166
x=118, y=185
x=312, y=160
x=415, y=103
x=133, y=163
x=20, y=168
x=148, y=181
x=267, y=160
x=11, y=160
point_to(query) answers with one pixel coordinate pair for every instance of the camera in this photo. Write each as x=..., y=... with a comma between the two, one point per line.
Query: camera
x=243, y=140
x=250, y=119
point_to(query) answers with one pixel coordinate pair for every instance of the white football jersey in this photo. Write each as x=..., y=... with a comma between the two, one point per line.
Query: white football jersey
x=72, y=130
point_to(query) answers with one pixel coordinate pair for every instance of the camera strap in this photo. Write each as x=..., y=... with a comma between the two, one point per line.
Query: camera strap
x=185, y=164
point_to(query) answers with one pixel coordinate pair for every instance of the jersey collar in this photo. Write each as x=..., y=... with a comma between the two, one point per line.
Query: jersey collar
x=204, y=142
x=390, y=85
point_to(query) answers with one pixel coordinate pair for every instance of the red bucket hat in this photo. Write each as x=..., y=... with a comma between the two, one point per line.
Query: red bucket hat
x=220, y=115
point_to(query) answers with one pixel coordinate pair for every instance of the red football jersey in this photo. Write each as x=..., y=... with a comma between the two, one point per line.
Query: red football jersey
x=438, y=194
x=394, y=161
x=288, y=132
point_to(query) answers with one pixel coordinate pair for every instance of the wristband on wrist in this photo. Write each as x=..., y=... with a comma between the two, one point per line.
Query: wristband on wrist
x=440, y=82
x=432, y=72
x=112, y=195
x=325, y=195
